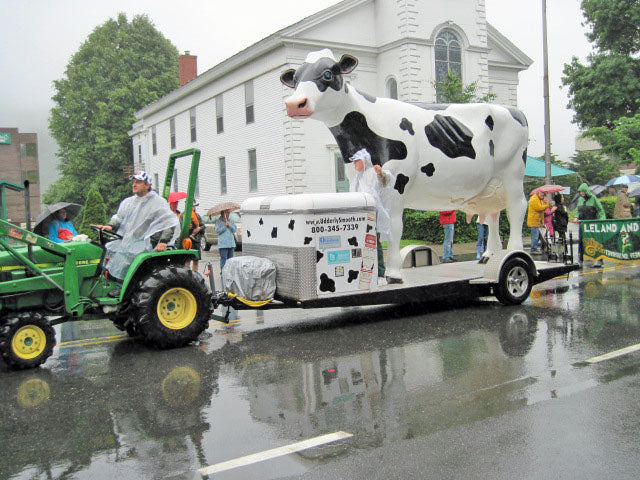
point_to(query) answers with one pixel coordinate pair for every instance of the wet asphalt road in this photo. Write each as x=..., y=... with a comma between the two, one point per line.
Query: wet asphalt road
x=464, y=390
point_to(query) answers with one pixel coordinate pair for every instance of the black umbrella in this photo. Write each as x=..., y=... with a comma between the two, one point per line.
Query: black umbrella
x=41, y=225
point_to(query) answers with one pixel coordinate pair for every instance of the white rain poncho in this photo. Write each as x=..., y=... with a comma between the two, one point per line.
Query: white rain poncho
x=137, y=219
x=368, y=181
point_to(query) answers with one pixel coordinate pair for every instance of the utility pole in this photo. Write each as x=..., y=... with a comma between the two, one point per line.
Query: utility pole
x=545, y=81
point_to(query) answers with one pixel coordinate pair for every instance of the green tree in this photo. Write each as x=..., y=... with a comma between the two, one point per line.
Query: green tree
x=594, y=168
x=607, y=87
x=453, y=91
x=93, y=213
x=120, y=68
x=622, y=141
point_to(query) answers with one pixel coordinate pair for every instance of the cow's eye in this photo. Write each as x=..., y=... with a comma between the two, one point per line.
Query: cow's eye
x=327, y=75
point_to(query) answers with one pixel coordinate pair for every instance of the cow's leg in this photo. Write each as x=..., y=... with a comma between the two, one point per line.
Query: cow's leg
x=516, y=210
x=493, y=240
x=393, y=264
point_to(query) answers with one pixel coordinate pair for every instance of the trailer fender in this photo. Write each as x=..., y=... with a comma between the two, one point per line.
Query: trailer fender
x=493, y=267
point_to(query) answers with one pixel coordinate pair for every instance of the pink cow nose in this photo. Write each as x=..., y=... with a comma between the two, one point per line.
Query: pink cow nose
x=298, y=108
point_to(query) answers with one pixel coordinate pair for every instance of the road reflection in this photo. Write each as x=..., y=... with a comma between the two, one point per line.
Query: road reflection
x=382, y=374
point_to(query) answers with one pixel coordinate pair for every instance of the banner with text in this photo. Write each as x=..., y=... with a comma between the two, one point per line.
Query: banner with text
x=615, y=239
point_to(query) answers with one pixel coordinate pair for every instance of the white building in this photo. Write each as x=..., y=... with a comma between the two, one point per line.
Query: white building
x=234, y=112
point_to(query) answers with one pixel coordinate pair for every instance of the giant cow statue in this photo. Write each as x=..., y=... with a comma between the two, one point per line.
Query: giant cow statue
x=468, y=157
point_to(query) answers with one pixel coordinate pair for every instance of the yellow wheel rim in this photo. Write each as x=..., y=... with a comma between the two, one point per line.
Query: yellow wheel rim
x=181, y=387
x=29, y=342
x=177, y=308
x=33, y=393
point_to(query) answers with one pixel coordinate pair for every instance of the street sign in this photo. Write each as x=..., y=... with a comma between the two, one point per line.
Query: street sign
x=5, y=138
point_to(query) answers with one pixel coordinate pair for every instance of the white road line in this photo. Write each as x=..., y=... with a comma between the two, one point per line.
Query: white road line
x=614, y=354
x=274, y=453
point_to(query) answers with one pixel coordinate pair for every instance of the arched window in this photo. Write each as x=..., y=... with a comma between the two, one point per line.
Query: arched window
x=392, y=88
x=448, y=55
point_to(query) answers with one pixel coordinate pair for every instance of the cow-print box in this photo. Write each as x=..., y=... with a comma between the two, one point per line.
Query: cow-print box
x=321, y=244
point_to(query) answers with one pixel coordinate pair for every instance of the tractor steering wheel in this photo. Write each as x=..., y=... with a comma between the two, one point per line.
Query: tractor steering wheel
x=105, y=236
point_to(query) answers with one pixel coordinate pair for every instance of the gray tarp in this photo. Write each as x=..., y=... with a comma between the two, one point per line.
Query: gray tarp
x=252, y=278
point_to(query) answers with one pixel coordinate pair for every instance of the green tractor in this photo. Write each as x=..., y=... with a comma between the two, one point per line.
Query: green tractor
x=43, y=284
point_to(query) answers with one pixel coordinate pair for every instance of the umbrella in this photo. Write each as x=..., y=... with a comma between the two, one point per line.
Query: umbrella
x=634, y=193
x=548, y=189
x=623, y=180
x=223, y=206
x=42, y=222
x=175, y=196
x=536, y=168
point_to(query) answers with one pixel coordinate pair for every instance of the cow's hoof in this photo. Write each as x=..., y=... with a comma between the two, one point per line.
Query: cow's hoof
x=391, y=280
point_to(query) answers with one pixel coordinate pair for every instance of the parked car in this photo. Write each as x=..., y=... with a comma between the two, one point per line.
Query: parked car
x=211, y=236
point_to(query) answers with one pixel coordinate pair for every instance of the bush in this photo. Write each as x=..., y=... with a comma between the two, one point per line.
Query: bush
x=425, y=225
x=93, y=213
x=609, y=205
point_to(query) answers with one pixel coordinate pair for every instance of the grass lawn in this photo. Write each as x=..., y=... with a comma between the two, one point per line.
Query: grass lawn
x=406, y=241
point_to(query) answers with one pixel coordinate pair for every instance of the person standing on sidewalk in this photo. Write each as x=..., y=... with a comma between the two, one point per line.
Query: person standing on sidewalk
x=589, y=208
x=225, y=228
x=623, y=204
x=535, y=218
x=448, y=221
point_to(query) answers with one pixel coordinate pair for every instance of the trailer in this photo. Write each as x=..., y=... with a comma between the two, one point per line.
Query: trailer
x=323, y=248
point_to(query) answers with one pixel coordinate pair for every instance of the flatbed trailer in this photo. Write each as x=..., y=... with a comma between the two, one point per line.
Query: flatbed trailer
x=509, y=276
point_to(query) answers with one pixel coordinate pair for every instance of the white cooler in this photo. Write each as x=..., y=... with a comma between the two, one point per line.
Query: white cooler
x=323, y=244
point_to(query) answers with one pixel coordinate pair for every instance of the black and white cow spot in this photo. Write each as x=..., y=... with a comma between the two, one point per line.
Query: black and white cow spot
x=491, y=147
x=327, y=284
x=307, y=240
x=354, y=134
x=524, y=156
x=489, y=122
x=405, y=124
x=319, y=255
x=274, y=232
x=401, y=182
x=428, y=169
x=369, y=227
x=249, y=233
x=291, y=224
x=450, y=136
x=261, y=222
x=353, y=241
x=353, y=275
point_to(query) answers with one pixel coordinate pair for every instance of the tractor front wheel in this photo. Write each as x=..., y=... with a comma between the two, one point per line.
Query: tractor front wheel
x=172, y=307
x=26, y=340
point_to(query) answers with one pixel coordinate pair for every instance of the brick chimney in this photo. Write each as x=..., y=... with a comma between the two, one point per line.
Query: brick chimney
x=187, y=67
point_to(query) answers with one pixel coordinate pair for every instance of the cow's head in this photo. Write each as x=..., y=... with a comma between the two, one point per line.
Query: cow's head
x=318, y=83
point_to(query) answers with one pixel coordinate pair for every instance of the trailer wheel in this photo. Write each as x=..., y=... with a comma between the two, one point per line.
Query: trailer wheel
x=173, y=307
x=26, y=340
x=515, y=282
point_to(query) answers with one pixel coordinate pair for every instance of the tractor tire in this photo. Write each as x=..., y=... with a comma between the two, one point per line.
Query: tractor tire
x=26, y=340
x=172, y=307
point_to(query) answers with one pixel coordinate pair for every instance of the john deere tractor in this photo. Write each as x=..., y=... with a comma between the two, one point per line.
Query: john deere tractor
x=43, y=283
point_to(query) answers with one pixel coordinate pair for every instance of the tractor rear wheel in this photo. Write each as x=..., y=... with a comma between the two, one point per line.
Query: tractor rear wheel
x=172, y=307
x=26, y=340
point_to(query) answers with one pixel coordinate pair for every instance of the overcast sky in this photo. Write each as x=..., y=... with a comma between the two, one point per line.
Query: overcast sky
x=38, y=38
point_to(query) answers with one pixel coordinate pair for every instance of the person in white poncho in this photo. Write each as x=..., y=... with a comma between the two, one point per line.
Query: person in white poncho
x=145, y=223
x=372, y=179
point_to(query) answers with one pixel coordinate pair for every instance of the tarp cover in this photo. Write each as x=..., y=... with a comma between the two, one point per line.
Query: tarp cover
x=251, y=278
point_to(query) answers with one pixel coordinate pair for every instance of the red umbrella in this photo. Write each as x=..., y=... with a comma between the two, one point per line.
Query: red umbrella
x=175, y=196
x=548, y=189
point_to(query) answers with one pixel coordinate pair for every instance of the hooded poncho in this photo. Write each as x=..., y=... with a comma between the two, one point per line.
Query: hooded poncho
x=369, y=181
x=137, y=219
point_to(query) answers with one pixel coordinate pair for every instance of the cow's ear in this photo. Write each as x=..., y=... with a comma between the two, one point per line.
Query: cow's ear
x=347, y=64
x=287, y=78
